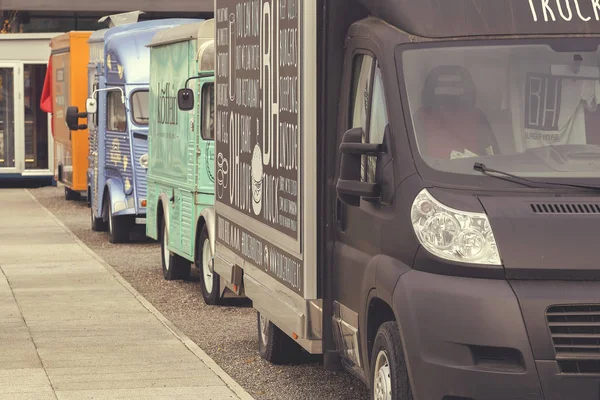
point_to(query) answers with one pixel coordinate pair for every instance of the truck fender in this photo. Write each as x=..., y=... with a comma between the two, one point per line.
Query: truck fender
x=164, y=199
x=117, y=194
x=210, y=220
x=388, y=274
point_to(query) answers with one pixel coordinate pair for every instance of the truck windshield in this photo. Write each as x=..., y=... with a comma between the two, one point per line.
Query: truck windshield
x=139, y=106
x=530, y=109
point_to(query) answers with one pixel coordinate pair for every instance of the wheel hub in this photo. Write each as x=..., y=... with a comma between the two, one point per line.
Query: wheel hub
x=382, y=386
x=207, y=266
x=166, y=249
x=264, y=328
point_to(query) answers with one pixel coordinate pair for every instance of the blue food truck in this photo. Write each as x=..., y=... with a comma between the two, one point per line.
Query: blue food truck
x=117, y=118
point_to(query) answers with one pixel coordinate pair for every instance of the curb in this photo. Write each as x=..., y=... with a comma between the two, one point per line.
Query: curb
x=189, y=343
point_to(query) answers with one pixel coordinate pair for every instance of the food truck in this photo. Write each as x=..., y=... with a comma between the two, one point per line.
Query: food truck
x=412, y=189
x=181, y=176
x=117, y=118
x=69, y=79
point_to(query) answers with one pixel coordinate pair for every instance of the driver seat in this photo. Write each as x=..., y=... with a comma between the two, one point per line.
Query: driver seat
x=449, y=119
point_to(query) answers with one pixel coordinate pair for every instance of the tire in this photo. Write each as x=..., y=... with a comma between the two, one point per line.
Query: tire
x=118, y=227
x=98, y=224
x=88, y=198
x=274, y=345
x=71, y=195
x=209, y=280
x=389, y=374
x=173, y=265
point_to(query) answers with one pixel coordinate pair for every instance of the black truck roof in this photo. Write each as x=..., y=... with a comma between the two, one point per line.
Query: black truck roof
x=460, y=18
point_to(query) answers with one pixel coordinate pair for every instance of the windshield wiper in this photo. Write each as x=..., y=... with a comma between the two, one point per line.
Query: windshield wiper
x=494, y=173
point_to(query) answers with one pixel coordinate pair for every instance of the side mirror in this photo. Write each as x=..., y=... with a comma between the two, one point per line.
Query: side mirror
x=185, y=99
x=91, y=107
x=350, y=188
x=72, y=119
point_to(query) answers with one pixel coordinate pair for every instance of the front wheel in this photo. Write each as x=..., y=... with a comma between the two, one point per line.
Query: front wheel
x=98, y=224
x=209, y=281
x=389, y=375
x=173, y=266
x=274, y=345
x=118, y=226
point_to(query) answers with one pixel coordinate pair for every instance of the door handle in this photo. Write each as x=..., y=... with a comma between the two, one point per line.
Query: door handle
x=172, y=199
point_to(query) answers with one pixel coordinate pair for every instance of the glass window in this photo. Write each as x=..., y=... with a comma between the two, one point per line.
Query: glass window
x=378, y=122
x=36, y=121
x=116, y=120
x=208, y=110
x=140, y=111
x=360, y=98
x=361, y=91
x=527, y=108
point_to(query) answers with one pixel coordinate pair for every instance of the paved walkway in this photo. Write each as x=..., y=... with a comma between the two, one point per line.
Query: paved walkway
x=72, y=328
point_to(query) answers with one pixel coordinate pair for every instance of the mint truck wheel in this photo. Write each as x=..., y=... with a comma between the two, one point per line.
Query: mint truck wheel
x=209, y=280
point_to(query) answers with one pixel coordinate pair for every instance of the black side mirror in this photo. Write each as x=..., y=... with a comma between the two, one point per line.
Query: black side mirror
x=185, y=99
x=72, y=119
x=350, y=188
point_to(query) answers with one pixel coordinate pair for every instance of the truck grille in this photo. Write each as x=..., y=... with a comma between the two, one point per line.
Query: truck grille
x=565, y=208
x=575, y=333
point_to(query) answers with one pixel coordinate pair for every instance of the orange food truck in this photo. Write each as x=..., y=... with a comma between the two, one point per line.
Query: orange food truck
x=68, y=76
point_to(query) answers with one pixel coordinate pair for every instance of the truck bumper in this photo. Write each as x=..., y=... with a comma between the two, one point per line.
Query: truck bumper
x=478, y=339
x=140, y=215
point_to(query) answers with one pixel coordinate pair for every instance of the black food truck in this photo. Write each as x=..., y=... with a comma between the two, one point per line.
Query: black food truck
x=412, y=189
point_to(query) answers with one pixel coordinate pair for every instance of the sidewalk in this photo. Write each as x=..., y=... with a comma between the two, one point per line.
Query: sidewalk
x=72, y=328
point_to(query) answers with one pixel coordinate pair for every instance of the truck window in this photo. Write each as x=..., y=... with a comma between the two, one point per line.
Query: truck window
x=360, y=95
x=140, y=112
x=361, y=91
x=378, y=122
x=368, y=108
x=208, y=110
x=116, y=119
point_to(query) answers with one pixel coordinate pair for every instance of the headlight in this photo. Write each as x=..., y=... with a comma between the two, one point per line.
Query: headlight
x=452, y=234
x=144, y=161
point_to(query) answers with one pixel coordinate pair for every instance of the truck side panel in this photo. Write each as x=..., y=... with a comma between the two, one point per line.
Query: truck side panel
x=172, y=147
x=79, y=53
x=265, y=137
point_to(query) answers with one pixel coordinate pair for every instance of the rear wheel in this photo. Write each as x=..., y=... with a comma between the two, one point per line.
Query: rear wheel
x=389, y=379
x=209, y=281
x=118, y=226
x=274, y=345
x=71, y=194
x=173, y=265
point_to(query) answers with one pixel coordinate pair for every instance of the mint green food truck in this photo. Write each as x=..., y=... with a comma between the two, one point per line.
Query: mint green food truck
x=181, y=176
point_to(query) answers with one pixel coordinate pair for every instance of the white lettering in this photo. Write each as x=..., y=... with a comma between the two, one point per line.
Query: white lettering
x=547, y=10
x=596, y=6
x=579, y=12
x=560, y=10
x=533, y=10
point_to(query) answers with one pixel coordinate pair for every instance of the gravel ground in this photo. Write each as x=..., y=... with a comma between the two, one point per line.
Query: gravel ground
x=227, y=333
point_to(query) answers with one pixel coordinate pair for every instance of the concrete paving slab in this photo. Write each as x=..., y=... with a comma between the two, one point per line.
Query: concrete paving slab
x=45, y=395
x=72, y=328
x=27, y=253
x=26, y=380
x=182, y=393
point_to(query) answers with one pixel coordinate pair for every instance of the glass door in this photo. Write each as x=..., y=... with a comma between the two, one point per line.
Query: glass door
x=11, y=128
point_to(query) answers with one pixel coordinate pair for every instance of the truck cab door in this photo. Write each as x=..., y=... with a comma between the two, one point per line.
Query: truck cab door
x=358, y=227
